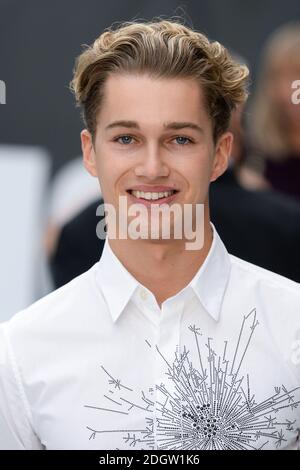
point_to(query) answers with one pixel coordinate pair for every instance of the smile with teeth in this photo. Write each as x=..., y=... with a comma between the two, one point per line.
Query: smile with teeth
x=150, y=196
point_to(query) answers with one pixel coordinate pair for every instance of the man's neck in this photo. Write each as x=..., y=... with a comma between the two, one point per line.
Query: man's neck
x=165, y=267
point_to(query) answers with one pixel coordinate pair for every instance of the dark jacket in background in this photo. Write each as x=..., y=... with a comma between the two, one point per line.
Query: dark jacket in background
x=78, y=246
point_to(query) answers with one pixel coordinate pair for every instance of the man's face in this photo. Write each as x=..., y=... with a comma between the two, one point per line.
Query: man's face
x=164, y=143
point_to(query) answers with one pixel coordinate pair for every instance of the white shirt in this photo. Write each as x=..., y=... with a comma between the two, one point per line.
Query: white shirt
x=97, y=364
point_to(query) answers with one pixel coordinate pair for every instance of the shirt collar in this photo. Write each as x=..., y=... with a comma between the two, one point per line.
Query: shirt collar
x=209, y=283
x=211, y=280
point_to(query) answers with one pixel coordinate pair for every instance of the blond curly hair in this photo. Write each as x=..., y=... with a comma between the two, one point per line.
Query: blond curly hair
x=161, y=49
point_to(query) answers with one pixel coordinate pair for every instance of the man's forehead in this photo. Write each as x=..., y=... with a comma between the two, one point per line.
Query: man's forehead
x=137, y=98
x=140, y=84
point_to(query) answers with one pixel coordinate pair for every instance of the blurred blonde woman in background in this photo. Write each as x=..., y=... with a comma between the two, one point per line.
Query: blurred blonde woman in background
x=274, y=119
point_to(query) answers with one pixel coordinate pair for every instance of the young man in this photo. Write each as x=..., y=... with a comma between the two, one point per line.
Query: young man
x=157, y=346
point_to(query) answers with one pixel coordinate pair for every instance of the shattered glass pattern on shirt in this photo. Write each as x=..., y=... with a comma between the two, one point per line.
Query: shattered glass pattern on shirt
x=208, y=407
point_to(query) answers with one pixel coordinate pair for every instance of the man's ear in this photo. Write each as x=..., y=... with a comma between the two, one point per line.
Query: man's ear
x=222, y=155
x=88, y=152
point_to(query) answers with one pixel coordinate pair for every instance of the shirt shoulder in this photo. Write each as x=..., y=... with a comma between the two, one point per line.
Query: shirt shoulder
x=276, y=300
x=275, y=297
x=265, y=277
x=62, y=306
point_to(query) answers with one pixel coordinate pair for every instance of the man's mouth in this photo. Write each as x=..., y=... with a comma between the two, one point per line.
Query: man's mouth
x=152, y=195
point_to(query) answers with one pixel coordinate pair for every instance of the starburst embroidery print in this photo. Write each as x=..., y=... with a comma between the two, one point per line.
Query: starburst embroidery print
x=209, y=406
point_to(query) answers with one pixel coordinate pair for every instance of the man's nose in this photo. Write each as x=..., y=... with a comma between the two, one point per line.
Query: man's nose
x=152, y=164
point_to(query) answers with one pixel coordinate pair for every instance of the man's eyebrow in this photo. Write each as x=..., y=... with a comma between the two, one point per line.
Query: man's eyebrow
x=176, y=125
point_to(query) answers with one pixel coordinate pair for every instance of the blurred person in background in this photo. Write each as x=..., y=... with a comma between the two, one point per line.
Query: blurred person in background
x=274, y=160
x=259, y=225
x=71, y=191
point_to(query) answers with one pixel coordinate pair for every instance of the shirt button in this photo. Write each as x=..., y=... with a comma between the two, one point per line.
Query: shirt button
x=143, y=294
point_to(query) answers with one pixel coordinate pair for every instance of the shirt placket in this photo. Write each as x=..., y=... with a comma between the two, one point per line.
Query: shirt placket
x=167, y=410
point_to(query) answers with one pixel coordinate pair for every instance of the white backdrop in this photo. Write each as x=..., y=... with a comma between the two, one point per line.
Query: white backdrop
x=24, y=174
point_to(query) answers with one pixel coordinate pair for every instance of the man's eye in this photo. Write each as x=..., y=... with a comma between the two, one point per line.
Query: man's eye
x=125, y=139
x=183, y=140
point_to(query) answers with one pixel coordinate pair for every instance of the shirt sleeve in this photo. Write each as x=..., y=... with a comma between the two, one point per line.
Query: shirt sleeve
x=16, y=430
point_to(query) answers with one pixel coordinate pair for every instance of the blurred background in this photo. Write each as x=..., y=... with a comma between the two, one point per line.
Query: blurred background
x=48, y=201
